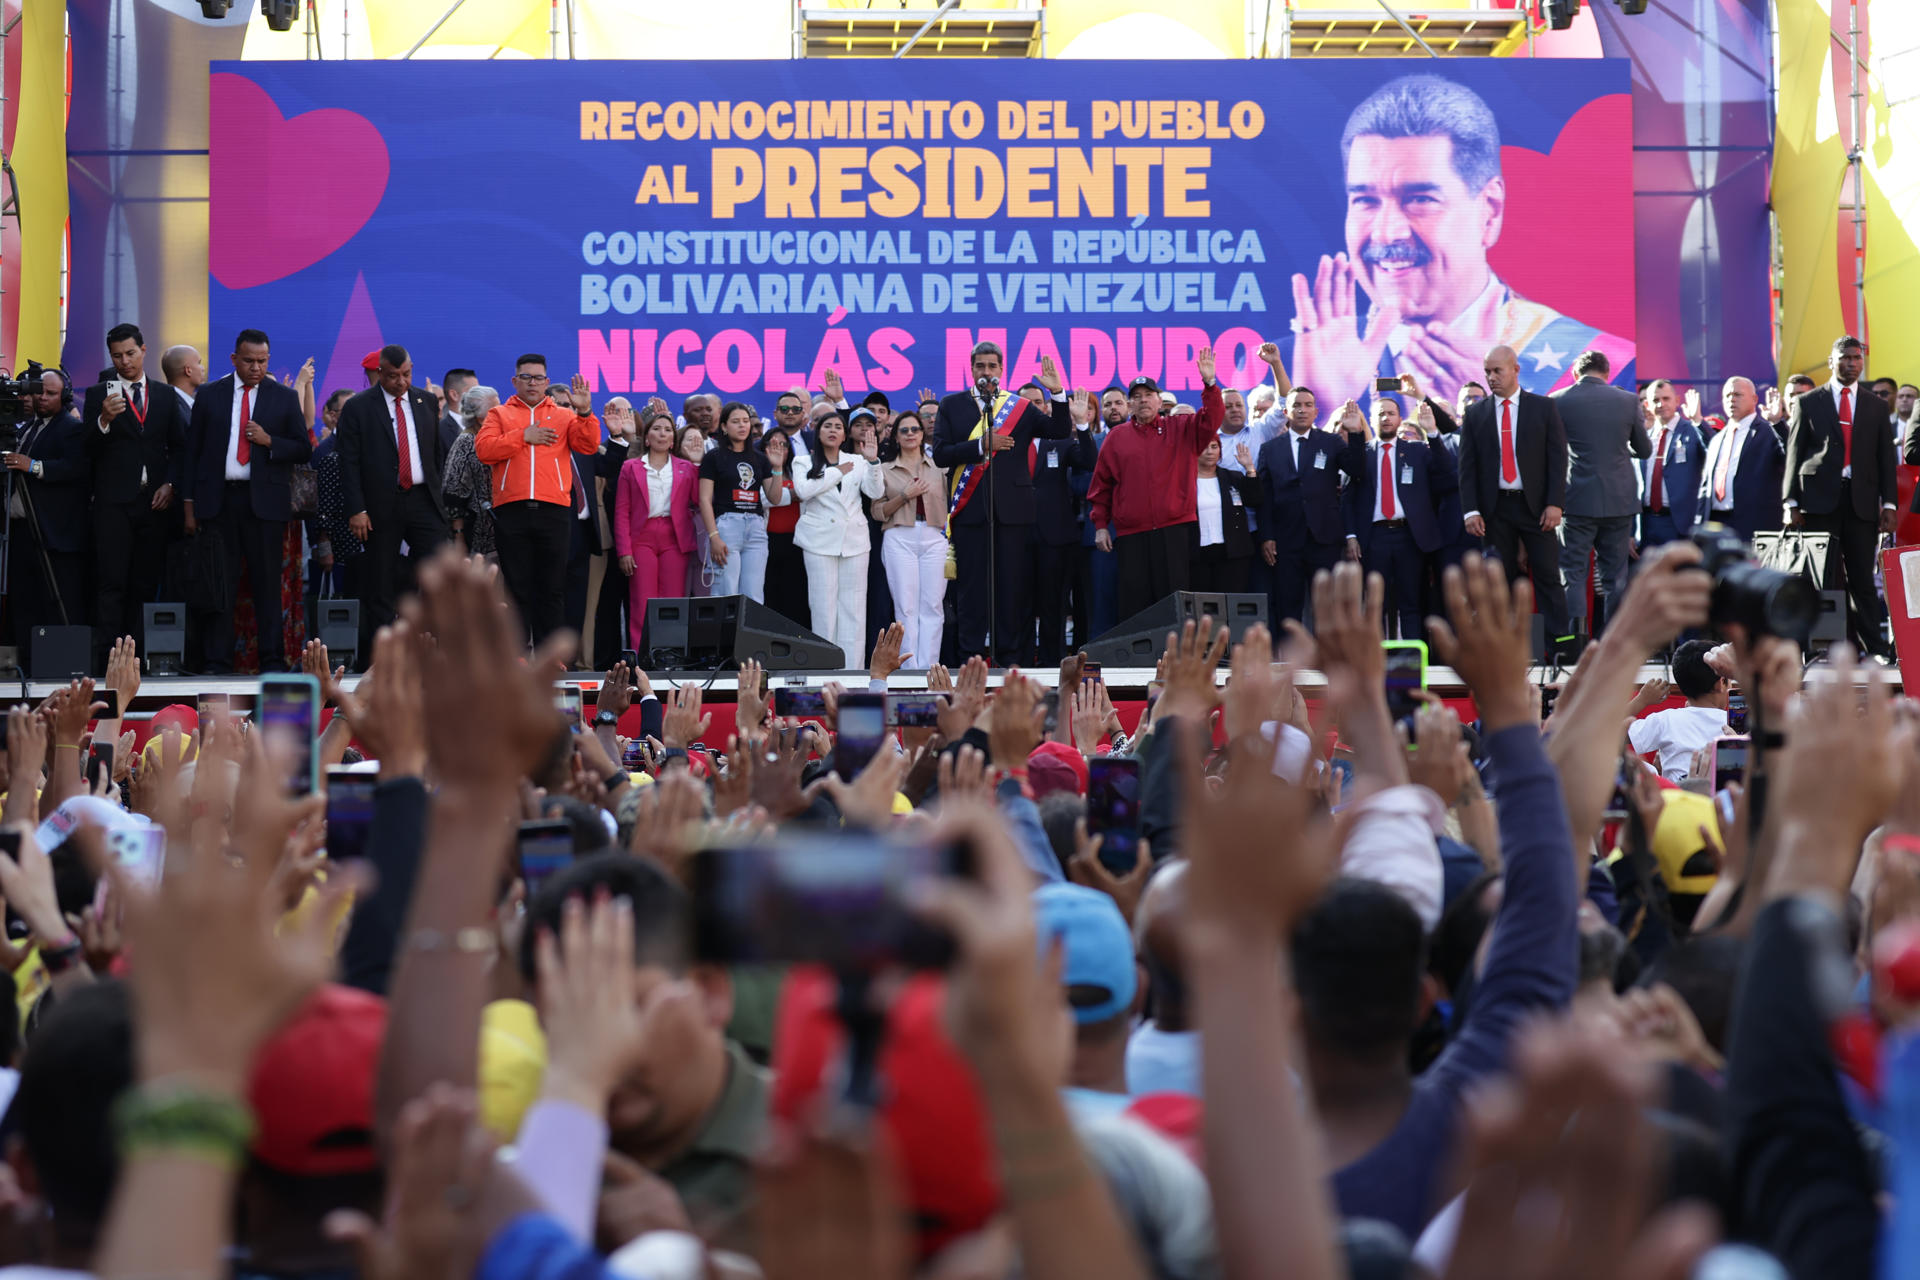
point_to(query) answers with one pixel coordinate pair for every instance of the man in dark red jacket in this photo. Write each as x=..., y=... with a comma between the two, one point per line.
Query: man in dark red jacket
x=1143, y=489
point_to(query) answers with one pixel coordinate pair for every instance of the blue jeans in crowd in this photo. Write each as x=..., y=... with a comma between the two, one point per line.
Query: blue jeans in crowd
x=745, y=572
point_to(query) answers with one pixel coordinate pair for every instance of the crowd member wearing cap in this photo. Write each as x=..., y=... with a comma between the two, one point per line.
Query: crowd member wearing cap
x=313, y=1150
x=1142, y=494
x=391, y=471
x=1102, y=988
x=984, y=446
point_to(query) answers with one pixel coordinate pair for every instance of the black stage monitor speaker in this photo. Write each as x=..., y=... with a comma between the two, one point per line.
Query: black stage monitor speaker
x=723, y=631
x=59, y=653
x=163, y=636
x=1140, y=640
x=779, y=643
x=1831, y=626
x=336, y=623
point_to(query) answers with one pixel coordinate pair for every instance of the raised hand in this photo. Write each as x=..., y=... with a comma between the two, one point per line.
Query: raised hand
x=887, y=657
x=1269, y=353
x=1204, y=362
x=1489, y=639
x=1331, y=353
x=1049, y=376
x=588, y=1004
x=1192, y=659
x=1085, y=868
x=750, y=697
x=830, y=383
x=1015, y=720
x=682, y=725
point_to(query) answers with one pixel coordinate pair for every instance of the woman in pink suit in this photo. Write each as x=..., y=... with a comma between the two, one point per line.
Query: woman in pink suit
x=653, y=521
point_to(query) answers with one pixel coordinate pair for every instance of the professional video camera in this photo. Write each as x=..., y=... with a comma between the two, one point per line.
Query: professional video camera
x=1764, y=601
x=16, y=405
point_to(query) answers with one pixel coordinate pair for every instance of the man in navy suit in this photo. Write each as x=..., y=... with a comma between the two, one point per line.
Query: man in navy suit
x=1302, y=528
x=1391, y=508
x=246, y=434
x=1740, y=483
x=1670, y=476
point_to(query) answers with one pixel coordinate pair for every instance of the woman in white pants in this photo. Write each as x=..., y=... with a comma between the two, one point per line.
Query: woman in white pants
x=833, y=534
x=914, y=546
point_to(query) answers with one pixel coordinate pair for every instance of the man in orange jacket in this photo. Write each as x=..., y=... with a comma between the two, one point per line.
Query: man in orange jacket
x=529, y=441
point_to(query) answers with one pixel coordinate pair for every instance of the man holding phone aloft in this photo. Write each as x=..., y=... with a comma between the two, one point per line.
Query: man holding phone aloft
x=136, y=433
x=1144, y=493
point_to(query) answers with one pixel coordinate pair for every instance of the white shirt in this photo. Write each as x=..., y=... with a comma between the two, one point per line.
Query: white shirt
x=1733, y=437
x=1833, y=389
x=659, y=488
x=1163, y=1061
x=1676, y=734
x=1385, y=449
x=236, y=469
x=185, y=399
x=403, y=421
x=1207, y=504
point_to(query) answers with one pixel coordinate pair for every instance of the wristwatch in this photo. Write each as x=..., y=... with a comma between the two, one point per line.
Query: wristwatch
x=605, y=719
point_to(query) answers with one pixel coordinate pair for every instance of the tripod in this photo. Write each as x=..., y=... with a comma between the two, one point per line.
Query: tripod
x=8, y=488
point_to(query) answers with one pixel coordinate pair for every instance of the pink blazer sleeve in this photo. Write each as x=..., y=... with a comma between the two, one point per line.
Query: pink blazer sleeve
x=630, y=505
x=685, y=501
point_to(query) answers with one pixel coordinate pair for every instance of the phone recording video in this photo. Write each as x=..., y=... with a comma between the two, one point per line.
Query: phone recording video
x=1113, y=810
x=142, y=850
x=208, y=706
x=1406, y=674
x=545, y=849
x=99, y=763
x=858, y=732
x=1730, y=761
x=799, y=702
x=567, y=698
x=349, y=811
x=914, y=710
x=111, y=697
x=288, y=708
x=841, y=901
x=1736, y=713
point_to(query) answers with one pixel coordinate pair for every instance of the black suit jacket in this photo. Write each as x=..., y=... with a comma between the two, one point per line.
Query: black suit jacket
x=1303, y=503
x=1816, y=449
x=159, y=445
x=1056, y=512
x=370, y=460
x=1233, y=515
x=450, y=429
x=1012, y=483
x=277, y=410
x=1539, y=447
x=62, y=493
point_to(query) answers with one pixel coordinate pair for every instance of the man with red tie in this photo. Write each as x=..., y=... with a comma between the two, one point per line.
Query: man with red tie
x=1390, y=507
x=1513, y=481
x=1840, y=481
x=246, y=434
x=390, y=475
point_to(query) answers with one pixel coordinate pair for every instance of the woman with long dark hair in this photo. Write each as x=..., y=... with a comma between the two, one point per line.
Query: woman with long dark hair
x=832, y=532
x=914, y=544
x=733, y=507
x=653, y=520
x=786, y=564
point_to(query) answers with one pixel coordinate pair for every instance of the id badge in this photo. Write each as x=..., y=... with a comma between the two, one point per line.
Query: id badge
x=1236, y=497
x=1406, y=475
x=1320, y=462
x=1053, y=460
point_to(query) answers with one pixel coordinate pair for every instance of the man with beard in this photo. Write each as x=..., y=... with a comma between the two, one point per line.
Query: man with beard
x=1425, y=203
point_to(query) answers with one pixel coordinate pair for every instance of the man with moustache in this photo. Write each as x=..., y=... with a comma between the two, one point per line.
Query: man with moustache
x=1425, y=203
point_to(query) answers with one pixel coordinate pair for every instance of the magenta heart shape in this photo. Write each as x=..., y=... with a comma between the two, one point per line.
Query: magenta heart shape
x=284, y=193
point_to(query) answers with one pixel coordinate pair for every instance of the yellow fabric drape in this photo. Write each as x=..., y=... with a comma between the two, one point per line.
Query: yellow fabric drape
x=39, y=158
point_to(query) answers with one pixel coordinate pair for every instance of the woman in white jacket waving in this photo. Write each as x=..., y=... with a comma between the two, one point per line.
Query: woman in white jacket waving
x=833, y=534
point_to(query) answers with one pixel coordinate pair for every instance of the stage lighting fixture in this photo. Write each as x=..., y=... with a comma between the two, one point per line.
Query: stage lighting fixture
x=1632, y=6
x=1559, y=13
x=213, y=9
x=280, y=13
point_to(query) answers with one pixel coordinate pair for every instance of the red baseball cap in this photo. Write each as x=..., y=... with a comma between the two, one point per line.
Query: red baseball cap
x=1055, y=766
x=371, y=362
x=933, y=1114
x=312, y=1087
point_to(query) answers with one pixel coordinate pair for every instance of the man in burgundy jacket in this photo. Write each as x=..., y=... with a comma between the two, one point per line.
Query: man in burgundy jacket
x=1143, y=490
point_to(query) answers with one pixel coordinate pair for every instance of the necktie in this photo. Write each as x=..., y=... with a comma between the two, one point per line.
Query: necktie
x=1509, y=465
x=139, y=409
x=1386, y=480
x=1296, y=451
x=1725, y=465
x=243, y=452
x=400, y=434
x=1656, y=491
x=1846, y=422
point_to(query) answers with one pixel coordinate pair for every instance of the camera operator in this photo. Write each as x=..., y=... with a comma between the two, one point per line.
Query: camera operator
x=51, y=485
x=136, y=436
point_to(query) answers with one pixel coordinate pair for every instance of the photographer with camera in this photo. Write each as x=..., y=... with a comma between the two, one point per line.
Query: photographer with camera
x=47, y=511
x=136, y=437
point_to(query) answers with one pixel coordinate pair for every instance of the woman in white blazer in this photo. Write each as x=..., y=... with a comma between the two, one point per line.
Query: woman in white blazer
x=833, y=535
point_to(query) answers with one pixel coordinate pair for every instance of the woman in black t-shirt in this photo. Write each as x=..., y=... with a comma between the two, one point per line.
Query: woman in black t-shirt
x=735, y=491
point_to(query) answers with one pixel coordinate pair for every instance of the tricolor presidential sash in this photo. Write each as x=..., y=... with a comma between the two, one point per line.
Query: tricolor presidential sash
x=1006, y=416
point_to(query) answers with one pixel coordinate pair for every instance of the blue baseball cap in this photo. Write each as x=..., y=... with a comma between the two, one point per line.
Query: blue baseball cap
x=1097, y=943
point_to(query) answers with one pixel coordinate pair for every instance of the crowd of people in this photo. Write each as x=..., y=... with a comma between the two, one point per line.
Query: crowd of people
x=1367, y=998
x=1055, y=515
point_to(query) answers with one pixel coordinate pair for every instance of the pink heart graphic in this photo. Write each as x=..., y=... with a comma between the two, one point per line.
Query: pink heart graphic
x=1567, y=238
x=285, y=193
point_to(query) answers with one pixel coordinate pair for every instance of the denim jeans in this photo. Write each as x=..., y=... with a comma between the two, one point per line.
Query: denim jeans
x=745, y=572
